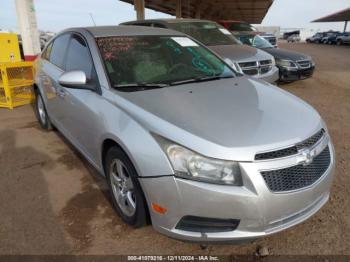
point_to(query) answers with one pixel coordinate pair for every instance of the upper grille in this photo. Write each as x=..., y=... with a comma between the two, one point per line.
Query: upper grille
x=265, y=62
x=277, y=154
x=247, y=64
x=256, y=67
x=298, y=176
x=311, y=141
x=289, y=151
x=304, y=63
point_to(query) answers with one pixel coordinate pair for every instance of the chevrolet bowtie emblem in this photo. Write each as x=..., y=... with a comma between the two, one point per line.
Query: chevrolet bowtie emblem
x=306, y=156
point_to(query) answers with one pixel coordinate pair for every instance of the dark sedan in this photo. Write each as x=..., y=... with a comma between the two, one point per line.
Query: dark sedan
x=292, y=65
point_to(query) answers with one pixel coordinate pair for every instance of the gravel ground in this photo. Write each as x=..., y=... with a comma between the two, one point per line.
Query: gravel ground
x=52, y=201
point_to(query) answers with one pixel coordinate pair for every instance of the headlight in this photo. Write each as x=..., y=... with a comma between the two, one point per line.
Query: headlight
x=190, y=165
x=286, y=63
x=273, y=61
x=237, y=68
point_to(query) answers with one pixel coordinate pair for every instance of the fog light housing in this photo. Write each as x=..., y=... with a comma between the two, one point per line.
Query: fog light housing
x=207, y=225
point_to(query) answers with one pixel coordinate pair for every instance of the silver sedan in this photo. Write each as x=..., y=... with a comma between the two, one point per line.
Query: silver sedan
x=185, y=142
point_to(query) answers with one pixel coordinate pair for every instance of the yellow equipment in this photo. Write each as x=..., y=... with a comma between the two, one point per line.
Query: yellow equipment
x=9, y=48
x=16, y=84
x=16, y=77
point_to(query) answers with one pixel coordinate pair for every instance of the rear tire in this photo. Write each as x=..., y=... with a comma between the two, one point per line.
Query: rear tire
x=40, y=112
x=339, y=42
x=125, y=190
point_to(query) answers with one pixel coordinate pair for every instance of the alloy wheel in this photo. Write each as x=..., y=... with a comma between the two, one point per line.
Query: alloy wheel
x=122, y=187
x=41, y=110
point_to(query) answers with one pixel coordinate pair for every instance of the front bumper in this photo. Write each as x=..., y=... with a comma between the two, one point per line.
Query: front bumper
x=289, y=75
x=259, y=211
x=271, y=77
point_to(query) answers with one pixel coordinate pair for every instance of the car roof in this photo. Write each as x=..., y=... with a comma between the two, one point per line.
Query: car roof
x=104, y=31
x=166, y=20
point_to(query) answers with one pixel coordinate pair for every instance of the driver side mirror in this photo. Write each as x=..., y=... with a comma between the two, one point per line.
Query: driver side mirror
x=73, y=79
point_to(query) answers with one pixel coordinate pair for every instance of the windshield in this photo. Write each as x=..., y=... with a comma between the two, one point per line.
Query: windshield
x=157, y=60
x=240, y=26
x=332, y=33
x=208, y=33
x=255, y=41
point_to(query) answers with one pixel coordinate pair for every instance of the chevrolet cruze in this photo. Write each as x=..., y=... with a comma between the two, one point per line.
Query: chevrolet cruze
x=185, y=142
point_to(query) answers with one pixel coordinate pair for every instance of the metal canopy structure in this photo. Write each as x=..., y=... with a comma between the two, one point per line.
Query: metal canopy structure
x=340, y=16
x=251, y=11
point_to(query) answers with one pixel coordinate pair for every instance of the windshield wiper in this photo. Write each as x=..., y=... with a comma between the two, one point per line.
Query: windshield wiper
x=139, y=86
x=198, y=79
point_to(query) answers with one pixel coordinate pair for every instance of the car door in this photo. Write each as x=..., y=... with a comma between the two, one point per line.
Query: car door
x=347, y=38
x=52, y=68
x=80, y=114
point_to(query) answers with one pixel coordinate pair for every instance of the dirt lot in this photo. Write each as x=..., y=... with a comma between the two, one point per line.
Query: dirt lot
x=52, y=201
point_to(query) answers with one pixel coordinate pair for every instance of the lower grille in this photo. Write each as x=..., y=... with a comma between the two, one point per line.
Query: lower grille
x=265, y=69
x=207, y=225
x=299, y=176
x=251, y=72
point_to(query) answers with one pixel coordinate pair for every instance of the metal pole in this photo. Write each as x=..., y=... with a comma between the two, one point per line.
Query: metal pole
x=178, y=8
x=139, y=6
x=346, y=24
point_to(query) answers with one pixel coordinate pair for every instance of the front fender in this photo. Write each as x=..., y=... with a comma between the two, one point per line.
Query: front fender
x=136, y=140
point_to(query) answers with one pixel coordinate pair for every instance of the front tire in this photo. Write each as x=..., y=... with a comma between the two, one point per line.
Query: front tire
x=125, y=190
x=41, y=113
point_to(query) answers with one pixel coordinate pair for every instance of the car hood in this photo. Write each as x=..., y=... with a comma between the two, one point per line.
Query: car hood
x=228, y=118
x=280, y=53
x=240, y=53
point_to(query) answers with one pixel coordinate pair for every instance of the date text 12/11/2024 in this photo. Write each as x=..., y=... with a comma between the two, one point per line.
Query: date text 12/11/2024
x=173, y=258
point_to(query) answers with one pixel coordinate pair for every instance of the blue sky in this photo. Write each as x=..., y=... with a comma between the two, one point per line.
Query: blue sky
x=55, y=15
